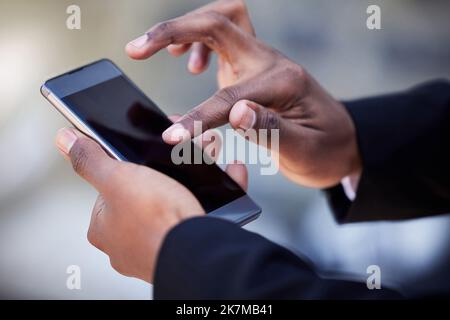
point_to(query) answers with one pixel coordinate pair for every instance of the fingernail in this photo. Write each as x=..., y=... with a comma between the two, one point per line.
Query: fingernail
x=139, y=42
x=65, y=139
x=194, y=61
x=248, y=116
x=176, y=133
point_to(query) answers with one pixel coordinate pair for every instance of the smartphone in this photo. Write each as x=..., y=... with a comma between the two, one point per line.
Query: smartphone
x=103, y=103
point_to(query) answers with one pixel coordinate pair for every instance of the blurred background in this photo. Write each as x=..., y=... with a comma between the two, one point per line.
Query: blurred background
x=45, y=208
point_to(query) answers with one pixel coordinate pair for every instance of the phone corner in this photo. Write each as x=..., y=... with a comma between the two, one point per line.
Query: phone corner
x=44, y=90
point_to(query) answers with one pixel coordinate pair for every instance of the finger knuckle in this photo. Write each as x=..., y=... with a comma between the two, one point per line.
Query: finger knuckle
x=92, y=237
x=164, y=26
x=269, y=120
x=239, y=5
x=197, y=115
x=229, y=95
x=116, y=266
x=163, y=30
x=294, y=73
x=213, y=26
x=218, y=24
x=80, y=156
x=216, y=19
x=98, y=207
x=119, y=267
x=292, y=76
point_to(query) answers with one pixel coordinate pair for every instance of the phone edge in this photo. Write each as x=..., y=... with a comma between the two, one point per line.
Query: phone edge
x=245, y=217
x=76, y=121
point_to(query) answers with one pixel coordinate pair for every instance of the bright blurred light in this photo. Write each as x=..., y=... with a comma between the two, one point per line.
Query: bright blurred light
x=17, y=63
x=21, y=65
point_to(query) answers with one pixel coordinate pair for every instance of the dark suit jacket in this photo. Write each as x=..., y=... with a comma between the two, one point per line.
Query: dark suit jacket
x=404, y=141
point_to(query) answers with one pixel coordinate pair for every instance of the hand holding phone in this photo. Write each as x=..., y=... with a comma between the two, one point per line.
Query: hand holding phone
x=143, y=194
x=136, y=207
x=104, y=104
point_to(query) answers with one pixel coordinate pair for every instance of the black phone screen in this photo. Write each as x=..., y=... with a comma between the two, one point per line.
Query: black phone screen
x=132, y=125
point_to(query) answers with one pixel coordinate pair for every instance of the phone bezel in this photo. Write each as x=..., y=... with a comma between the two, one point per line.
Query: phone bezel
x=241, y=211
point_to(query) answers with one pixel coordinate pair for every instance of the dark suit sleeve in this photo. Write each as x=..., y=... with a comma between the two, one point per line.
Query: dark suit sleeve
x=210, y=258
x=404, y=142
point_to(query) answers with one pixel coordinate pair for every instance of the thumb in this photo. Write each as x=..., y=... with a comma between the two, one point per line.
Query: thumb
x=247, y=115
x=88, y=159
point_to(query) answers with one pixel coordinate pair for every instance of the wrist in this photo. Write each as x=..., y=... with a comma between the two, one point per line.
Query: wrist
x=353, y=158
x=167, y=223
x=355, y=163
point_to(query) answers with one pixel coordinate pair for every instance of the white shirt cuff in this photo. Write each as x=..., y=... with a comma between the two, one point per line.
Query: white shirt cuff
x=350, y=185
